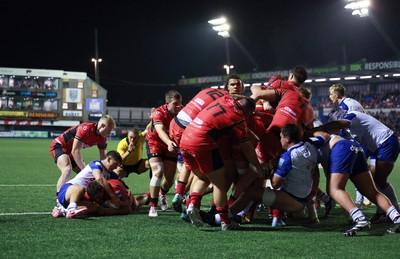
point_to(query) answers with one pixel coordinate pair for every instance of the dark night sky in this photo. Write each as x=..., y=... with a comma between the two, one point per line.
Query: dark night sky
x=146, y=46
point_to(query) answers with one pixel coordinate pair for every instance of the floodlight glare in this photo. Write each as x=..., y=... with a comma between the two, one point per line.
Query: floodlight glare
x=222, y=27
x=224, y=34
x=217, y=21
x=358, y=5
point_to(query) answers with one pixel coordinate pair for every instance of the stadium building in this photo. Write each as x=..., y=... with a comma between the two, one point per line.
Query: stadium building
x=43, y=103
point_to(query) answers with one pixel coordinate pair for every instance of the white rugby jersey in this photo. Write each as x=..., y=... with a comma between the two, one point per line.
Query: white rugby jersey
x=296, y=167
x=369, y=131
x=349, y=104
x=85, y=177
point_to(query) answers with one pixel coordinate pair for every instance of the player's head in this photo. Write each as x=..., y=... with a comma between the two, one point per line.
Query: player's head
x=112, y=161
x=298, y=74
x=95, y=192
x=336, y=92
x=173, y=99
x=290, y=134
x=105, y=125
x=133, y=135
x=305, y=92
x=234, y=85
x=247, y=105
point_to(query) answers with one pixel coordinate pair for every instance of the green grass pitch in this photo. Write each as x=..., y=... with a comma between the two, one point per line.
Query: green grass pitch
x=27, y=230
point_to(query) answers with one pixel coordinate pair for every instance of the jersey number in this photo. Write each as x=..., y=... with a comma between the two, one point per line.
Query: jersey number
x=215, y=94
x=217, y=106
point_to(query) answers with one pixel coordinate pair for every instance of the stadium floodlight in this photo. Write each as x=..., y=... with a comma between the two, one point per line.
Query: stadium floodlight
x=308, y=81
x=222, y=26
x=224, y=34
x=217, y=21
x=350, y=78
x=96, y=69
x=228, y=68
x=359, y=7
x=334, y=79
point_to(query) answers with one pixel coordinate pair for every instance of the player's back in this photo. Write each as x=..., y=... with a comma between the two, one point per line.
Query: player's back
x=199, y=102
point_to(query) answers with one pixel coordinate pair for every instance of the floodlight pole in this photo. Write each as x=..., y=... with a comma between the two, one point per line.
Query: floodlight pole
x=96, y=58
x=228, y=58
x=222, y=26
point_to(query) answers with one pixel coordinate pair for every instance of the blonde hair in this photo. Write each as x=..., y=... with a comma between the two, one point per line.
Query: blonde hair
x=107, y=120
x=339, y=88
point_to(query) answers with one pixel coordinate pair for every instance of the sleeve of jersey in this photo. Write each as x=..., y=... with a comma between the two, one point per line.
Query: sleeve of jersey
x=121, y=148
x=158, y=118
x=349, y=116
x=284, y=166
x=343, y=106
x=96, y=165
x=80, y=133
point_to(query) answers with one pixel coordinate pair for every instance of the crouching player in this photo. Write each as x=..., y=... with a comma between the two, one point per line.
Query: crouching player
x=294, y=180
x=72, y=192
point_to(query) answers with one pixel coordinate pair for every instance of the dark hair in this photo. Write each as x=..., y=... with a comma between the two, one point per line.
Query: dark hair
x=134, y=130
x=226, y=84
x=247, y=104
x=94, y=188
x=292, y=131
x=300, y=74
x=172, y=94
x=115, y=155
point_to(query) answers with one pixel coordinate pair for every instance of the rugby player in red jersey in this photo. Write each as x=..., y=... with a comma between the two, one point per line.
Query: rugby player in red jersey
x=162, y=151
x=200, y=146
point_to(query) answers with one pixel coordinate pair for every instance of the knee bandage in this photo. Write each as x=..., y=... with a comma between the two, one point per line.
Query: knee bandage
x=157, y=168
x=269, y=197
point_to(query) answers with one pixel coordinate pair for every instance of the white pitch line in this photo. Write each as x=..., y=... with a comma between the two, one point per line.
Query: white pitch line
x=23, y=213
x=26, y=185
